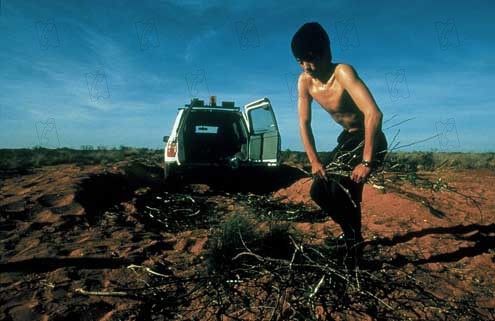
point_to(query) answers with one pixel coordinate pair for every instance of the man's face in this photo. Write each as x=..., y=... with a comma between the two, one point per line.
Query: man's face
x=311, y=67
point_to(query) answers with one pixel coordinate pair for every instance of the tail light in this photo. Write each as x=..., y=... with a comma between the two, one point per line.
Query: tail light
x=171, y=150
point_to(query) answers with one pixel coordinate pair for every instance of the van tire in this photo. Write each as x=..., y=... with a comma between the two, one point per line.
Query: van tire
x=167, y=172
x=171, y=178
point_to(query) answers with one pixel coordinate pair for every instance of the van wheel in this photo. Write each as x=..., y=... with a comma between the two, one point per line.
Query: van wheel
x=170, y=177
x=167, y=172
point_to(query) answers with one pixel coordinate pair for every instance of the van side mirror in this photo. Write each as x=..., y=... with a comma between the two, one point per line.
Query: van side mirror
x=165, y=138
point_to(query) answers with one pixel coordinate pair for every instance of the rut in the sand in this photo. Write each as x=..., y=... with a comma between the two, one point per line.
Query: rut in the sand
x=100, y=192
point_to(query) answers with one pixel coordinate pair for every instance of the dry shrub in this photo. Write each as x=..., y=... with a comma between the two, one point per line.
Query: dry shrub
x=241, y=234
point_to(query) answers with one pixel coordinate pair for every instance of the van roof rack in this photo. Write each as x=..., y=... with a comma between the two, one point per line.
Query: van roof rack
x=196, y=102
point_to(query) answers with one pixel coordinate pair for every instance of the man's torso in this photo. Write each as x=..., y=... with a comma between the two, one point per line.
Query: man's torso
x=334, y=99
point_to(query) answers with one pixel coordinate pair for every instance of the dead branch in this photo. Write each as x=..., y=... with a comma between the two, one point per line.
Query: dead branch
x=101, y=293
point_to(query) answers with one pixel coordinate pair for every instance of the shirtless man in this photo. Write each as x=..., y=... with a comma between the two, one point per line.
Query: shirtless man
x=340, y=92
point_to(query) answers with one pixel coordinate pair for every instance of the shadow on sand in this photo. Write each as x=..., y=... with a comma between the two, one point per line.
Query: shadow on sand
x=262, y=180
x=479, y=234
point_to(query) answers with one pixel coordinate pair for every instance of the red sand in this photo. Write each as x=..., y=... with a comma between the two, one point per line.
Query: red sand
x=42, y=218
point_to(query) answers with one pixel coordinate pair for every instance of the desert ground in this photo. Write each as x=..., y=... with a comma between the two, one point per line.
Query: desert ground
x=113, y=242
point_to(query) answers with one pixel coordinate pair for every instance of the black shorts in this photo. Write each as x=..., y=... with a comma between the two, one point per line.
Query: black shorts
x=349, y=153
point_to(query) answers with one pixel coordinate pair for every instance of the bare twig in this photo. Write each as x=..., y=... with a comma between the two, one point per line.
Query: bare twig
x=317, y=287
x=101, y=293
x=147, y=269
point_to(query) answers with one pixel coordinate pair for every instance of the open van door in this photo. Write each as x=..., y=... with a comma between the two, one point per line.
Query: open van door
x=264, y=137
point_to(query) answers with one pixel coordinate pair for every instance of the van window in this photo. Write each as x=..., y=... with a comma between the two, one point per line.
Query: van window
x=262, y=120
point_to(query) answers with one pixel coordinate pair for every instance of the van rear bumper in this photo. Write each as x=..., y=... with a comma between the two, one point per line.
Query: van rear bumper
x=217, y=169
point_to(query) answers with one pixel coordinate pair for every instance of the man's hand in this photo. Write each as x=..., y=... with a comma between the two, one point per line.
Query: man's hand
x=360, y=173
x=317, y=169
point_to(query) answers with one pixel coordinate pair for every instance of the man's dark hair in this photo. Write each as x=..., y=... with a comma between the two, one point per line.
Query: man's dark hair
x=311, y=41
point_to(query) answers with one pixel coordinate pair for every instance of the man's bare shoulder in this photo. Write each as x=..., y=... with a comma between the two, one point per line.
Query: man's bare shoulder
x=304, y=78
x=345, y=73
x=303, y=81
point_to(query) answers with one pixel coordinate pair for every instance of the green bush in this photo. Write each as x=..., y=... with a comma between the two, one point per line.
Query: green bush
x=25, y=158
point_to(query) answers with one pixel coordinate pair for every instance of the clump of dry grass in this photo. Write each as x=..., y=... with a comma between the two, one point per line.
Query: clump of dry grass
x=241, y=235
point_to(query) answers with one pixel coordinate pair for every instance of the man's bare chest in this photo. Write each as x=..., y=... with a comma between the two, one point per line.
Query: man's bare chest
x=332, y=97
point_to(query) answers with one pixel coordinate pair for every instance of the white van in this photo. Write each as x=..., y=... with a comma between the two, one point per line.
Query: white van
x=211, y=137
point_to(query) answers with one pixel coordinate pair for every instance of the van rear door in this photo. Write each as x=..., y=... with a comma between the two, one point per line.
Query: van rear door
x=180, y=132
x=264, y=137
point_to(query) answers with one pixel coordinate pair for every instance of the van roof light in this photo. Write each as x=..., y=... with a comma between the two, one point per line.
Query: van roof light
x=213, y=101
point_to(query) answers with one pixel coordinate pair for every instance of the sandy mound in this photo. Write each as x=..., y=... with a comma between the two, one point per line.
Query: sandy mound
x=297, y=193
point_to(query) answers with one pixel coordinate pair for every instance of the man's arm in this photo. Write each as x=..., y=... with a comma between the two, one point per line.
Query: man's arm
x=304, y=109
x=350, y=81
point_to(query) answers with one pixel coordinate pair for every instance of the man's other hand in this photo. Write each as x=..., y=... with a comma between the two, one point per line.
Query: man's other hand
x=317, y=169
x=360, y=173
